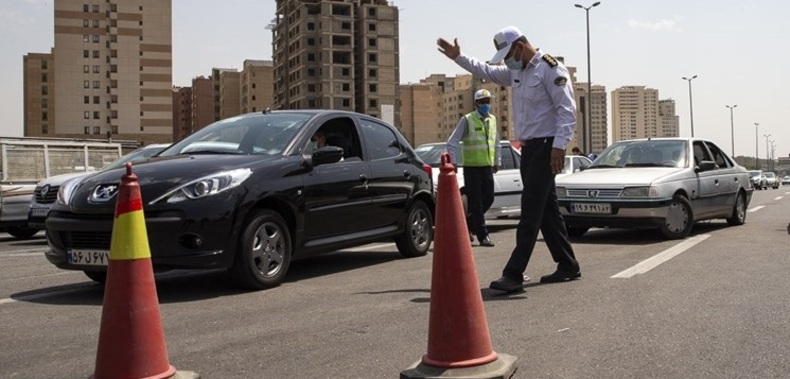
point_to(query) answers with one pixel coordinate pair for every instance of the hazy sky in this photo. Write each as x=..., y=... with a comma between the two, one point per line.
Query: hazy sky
x=735, y=48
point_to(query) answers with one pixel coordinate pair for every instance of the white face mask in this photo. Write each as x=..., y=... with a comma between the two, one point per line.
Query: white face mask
x=514, y=64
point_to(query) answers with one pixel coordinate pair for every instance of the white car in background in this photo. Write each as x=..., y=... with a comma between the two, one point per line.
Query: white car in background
x=507, y=181
x=46, y=191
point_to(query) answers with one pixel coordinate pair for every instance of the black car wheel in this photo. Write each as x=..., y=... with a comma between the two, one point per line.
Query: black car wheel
x=679, y=219
x=739, y=211
x=264, y=253
x=97, y=276
x=21, y=232
x=418, y=232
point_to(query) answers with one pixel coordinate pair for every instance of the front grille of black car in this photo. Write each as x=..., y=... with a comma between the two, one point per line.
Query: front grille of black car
x=50, y=197
x=91, y=240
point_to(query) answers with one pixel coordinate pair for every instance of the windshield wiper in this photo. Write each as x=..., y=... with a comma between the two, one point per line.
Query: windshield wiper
x=602, y=166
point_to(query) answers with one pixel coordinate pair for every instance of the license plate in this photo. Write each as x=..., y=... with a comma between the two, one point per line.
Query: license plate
x=88, y=257
x=39, y=212
x=597, y=208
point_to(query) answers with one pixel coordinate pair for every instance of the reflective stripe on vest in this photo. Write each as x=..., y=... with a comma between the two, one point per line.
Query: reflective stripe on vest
x=479, y=145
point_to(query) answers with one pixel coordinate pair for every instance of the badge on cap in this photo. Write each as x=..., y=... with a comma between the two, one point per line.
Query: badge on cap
x=560, y=81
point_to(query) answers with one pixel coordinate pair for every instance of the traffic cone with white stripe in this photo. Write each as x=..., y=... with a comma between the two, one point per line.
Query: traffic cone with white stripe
x=459, y=345
x=131, y=338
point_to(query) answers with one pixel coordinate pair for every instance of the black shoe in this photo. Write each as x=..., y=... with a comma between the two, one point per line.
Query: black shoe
x=560, y=276
x=506, y=284
x=486, y=241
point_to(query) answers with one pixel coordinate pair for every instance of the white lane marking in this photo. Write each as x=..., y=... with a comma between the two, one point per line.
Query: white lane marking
x=755, y=209
x=47, y=294
x=39, y=254
x=652, y=262
x=778, y=198
x=787, y=193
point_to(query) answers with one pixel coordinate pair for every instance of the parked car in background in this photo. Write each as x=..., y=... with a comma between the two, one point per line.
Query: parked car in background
x=507, y=181
x=758, y=179
x=574, y=164
x=771, y=181
x=786, y=180
x=46, y=191
x=255, y=208
x=664, y=183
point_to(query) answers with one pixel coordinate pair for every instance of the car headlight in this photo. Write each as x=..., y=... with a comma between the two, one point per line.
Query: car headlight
x=638, y=192
x=562, y=192
x=206, y=186
x=66, y=191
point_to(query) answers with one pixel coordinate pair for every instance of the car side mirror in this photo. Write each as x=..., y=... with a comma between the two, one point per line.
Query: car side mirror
x=705, y=166
x=327, y=154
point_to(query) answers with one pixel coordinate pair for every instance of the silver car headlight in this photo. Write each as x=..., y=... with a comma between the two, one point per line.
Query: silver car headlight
x=562, y=192
x=206, y=186
x=639, y=192
x=66, y=191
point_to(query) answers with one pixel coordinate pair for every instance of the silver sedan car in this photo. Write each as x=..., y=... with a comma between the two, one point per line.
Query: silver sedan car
x=664, y=183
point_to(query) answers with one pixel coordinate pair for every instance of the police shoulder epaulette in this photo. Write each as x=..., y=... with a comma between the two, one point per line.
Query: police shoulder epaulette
x=550, y=60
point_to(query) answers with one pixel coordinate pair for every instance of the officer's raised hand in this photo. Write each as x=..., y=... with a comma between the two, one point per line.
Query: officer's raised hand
x=452, y=51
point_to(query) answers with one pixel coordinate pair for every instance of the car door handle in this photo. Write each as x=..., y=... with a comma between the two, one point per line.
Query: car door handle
x=363, y=178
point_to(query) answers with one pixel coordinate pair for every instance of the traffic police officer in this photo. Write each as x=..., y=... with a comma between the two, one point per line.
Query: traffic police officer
x=481, y=160
x=544, y=116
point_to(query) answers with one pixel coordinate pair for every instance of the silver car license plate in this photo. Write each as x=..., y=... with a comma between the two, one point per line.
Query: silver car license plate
x=596, y=208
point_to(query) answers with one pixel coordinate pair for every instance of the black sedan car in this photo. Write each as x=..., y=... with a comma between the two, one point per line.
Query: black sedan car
x=254, y=192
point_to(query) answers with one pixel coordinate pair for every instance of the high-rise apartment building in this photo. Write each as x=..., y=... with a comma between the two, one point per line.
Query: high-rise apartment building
x=216, y=92
x=598, y=118
x=203, y=102
x=256, y=86
x=38, y=94
x=110, y=72
x=421, y=121
x=634, y=113
x=337, y=54
x=182, y=112
x=229, y=94
x=670, y=122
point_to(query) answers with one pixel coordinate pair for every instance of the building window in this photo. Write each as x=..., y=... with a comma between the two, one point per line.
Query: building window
x=87, y=130
x=86, y=69
x=371, y=58
x=346, y=72
x=96, y=8
x=310, y=26
x=86, y=38
x=345, y=26
x=96, y=115
x=44, y=129
x=346, y=102
x=372, y=103
x=372, y=72
x=86, y=115
x=372, y=12
x=85, y=8
x=311, y=42
x=96, y=84
x=113, y=8
x=86, y=99
x=372, y=42
x=253, y=97
x=95, y=69
x=86, y=54
x=44, y=116
x=44, y=103
x=95, y=53
x=95, y=39
x=44, y=78
x=372, y=27
x=85, y=23
x=86, y=84
x=95, y=23
x=44, y=90
x=96, y=100
x=346, y=87
x=310, y=72
x=372, y=87
x=43, y=65
x=97, y=130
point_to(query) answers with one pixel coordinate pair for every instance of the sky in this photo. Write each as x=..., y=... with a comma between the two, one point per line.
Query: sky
x=734, y=48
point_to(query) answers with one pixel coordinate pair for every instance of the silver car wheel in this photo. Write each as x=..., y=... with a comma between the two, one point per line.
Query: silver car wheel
x=268, y=249
x=677, y=218
x=419, y=227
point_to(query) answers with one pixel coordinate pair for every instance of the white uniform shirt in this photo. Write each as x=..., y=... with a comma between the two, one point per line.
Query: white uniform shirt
x=454, y=142
x=543, y=105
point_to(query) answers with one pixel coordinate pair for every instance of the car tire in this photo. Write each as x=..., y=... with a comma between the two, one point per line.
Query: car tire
x=21, y=232
x=264, y=253
x=679, y=220
x=97, y=276
x=417, y=231
x=738, y=211
x=576, y=231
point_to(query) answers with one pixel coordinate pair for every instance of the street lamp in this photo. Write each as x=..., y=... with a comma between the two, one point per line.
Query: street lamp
x=756, y=144
x=588, y=112
x=767, y=158
x=691, y=105
x=732, y=130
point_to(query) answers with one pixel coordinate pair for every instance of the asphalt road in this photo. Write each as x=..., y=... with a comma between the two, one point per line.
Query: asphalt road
x=712, y=306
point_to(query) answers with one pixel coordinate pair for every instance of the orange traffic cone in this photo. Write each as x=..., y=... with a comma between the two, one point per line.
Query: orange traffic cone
x=459, y=345
x=131, y=339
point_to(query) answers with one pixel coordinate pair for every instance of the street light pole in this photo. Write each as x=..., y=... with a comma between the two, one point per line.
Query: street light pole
x=756, y=145
x=767, y=151
x=691, y=104
x=732, y=130
x=588, y=111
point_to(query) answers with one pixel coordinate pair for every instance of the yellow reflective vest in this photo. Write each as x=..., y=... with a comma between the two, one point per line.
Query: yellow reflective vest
x=479, y=147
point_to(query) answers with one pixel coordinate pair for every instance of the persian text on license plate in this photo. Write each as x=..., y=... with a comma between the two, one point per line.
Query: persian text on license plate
x=597, y=208
x=88, y=257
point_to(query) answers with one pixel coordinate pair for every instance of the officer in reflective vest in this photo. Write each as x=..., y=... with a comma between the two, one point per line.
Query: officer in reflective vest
x=481, y=159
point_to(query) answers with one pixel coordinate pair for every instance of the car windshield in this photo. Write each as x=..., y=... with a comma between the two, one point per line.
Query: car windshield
x=265, y=134
x=754, y=174
x=644, y=153
x=432, y=154
x=769, y=175
x=134, y=156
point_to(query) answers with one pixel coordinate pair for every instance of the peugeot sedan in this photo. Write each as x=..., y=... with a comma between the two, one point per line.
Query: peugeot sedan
x=252, y=193
x=663, y=183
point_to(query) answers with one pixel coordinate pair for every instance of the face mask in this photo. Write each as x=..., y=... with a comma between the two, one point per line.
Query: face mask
x=484, y=108
x=514, y=64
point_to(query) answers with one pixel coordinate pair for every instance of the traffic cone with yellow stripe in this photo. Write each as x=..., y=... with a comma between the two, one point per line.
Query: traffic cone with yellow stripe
x=131, y=339
x=459, y=344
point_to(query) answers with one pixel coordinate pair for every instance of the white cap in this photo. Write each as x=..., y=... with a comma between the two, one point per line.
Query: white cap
x=482, y=94
x=503, y=40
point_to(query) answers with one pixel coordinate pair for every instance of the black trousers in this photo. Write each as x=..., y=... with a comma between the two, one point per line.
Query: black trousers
x=539, y=211
x=479, y=185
